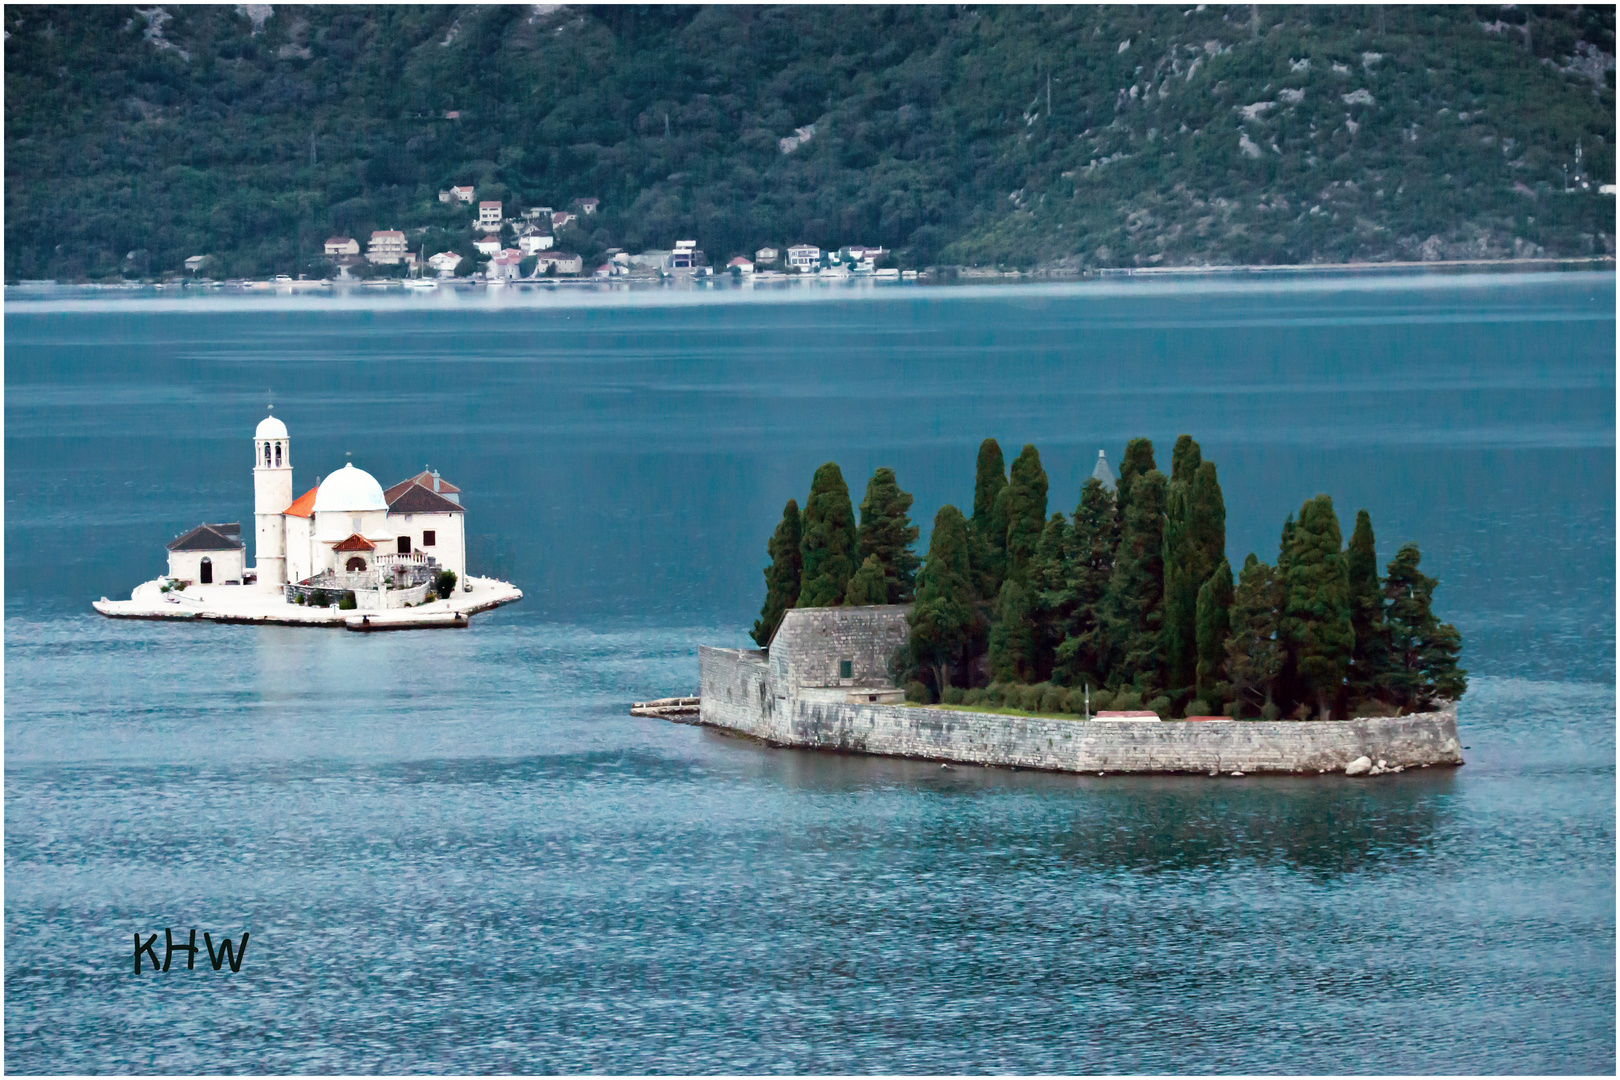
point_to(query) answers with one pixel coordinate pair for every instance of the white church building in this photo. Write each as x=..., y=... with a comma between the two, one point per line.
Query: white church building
x=344, y=534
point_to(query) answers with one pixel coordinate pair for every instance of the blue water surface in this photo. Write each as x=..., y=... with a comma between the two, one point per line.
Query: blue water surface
x=454, y=851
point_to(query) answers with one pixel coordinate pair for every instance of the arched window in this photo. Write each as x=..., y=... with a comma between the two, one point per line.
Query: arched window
x=355, y=565
x=205, y=573
x=267, y=454
x=278, y=455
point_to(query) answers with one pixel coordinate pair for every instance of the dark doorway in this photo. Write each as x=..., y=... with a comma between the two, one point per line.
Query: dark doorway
x=355, y=565
x=206, y=574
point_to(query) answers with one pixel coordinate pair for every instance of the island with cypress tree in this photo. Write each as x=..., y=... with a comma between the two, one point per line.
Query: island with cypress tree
x=1128, y=608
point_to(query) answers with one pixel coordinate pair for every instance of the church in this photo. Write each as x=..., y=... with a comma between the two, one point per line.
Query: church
x=344, y=534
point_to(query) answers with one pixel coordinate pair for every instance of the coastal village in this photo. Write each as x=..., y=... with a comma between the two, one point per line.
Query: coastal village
x=508, y=244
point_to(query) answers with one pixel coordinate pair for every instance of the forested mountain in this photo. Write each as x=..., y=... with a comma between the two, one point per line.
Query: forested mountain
x=1018, y=136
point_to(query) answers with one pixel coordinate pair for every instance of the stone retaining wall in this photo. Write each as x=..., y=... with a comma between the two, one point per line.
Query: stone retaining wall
x=736, y=696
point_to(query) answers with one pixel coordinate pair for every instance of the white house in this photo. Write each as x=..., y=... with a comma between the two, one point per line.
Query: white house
x=462, y=194
x=208, y=555
x=566, y=262
x=489, y=216
x=741, y=265
x=766, y=255
x=803, y=257
x=533, y=243
x=560, y=218
x=342, y=245
x=196, y=262
x=445, y=263
x=588, y=206
x=488, y=245
x=504, y=265
x=387, y=247
x=343, y=532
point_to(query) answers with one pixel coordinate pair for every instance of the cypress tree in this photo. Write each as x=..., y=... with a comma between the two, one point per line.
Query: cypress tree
x=1316, y=613
x=1285, y=688
x=1423, y=650
x=1133, y=608
x=1371, y=657
x=987, y=531
x=943, y=619
x=1052, y=592
x=781, y=577
x=1214, y=630
x=887, y=532
x=1026, y=510
x=829, y=544
x=1093, y=541
x=1137, y=461
x=1194, y=544
x=868, y=586
x=1013, y=635
x=1254, y=654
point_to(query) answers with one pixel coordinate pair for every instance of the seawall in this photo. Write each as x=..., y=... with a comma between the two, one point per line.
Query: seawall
x=737, y=696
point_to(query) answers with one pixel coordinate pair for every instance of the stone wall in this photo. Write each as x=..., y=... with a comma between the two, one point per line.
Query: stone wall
x=811, y=642
x=736, y=696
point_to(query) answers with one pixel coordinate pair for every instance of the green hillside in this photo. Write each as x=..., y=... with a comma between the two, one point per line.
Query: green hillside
x=1049, y=136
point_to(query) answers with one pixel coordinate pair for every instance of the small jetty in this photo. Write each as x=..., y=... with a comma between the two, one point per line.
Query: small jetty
x=680, y=709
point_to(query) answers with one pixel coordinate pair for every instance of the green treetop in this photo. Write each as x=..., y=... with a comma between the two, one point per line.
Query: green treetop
x=1194, y=544
x=1254, y=654
x=1026, y=510
x=943, y=618
x=1214, y=629
x=1371, y=656
x=1093, y=539
x=781, y=576
x=887, y=533
x=988, y=530
x=868, y=586
x=1185, y=457
x=829, y=543
x=1134, y=605
x=1138, y=460
x=1316, y=611
x=1423, y=650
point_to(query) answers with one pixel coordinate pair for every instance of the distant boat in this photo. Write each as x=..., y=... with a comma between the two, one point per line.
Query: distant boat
x=283, y=279
x=421, y=285
x=887, y=275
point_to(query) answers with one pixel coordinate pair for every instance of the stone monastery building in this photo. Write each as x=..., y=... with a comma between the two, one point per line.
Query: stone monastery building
x=346, y=533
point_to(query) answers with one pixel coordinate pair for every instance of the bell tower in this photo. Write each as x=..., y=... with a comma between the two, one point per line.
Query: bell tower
x=272, y=494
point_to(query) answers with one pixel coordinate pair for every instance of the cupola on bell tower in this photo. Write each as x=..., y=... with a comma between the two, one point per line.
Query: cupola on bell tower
x=272, y=494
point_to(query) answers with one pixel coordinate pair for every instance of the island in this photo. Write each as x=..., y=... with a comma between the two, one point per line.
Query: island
x=345, y=553
x=1115, y=639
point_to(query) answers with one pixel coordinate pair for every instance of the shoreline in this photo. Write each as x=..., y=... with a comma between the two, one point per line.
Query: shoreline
x=935, y=276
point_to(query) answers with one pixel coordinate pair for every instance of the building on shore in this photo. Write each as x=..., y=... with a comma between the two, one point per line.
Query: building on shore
x=387, y=248
x=802, y=257
x=489, y=216
x=209, y=555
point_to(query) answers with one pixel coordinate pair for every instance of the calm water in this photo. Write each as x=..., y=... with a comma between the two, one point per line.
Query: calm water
x=454, y=851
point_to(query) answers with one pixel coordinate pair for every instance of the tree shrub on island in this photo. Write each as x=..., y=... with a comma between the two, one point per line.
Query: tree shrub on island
x=1131, y=599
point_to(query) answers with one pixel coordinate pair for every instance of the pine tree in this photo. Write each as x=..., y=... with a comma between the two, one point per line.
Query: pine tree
x=782, y=576
x=829, y=544
x=1423, y=650
x=1316, y=613
x=1254, y=654
x=1371, y=657
x=868, y=586
x=1185, y=457
x=1138, y=460
x=887, y=532
x=943, y=619
x=1013, y=635
x=1133, y=608
x=1093, y=539
x=1052, y=592
x=1214, y=630
x=1026, y=510
x=988, y=534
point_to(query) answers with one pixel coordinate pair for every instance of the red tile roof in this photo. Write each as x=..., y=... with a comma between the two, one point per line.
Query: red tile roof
x=304, y=505
x=355, y=542
x=423, y=478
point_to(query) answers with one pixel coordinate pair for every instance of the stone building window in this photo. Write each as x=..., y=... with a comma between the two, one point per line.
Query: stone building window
x=846, y=669
x=428, y=537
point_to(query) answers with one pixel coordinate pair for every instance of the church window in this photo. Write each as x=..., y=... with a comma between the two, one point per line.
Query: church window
x=206, y=570
x=428, y=536
x=846, y=669
x=355, y=565
x=267, y=453
x=278, y=454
